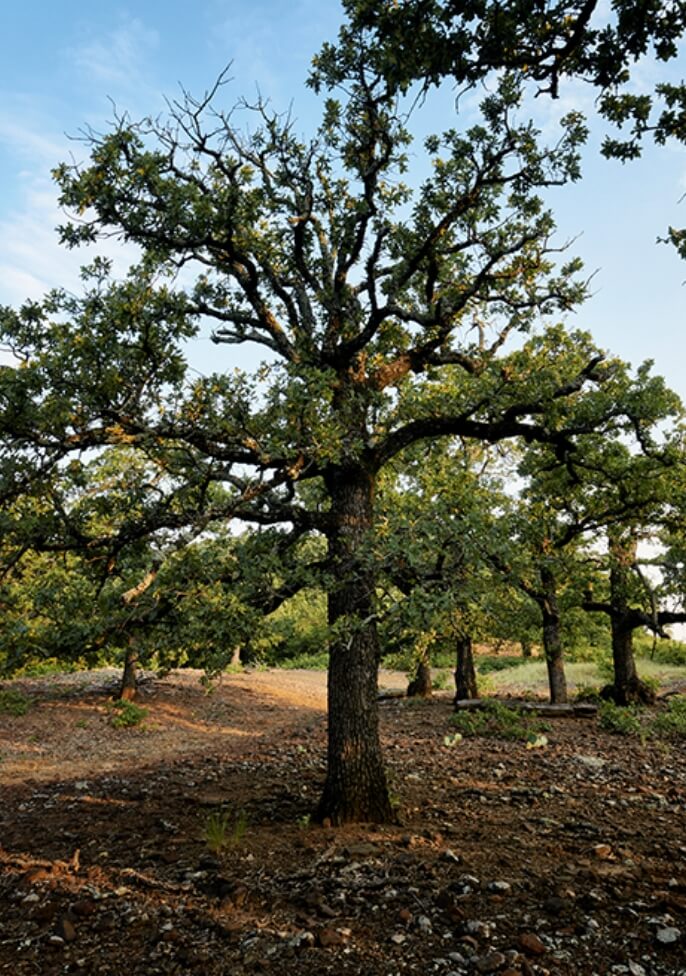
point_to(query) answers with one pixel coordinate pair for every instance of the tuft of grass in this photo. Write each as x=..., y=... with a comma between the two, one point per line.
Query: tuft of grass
x=127, y=714
x=619, y=720
x=498, y=721
x=13, y=702
x=224, y=828
x=440, y=680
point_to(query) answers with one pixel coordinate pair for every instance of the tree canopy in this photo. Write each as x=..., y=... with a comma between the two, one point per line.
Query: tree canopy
x=386, y=314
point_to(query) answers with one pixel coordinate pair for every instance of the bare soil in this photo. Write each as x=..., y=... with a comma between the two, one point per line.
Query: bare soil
x=566, y=859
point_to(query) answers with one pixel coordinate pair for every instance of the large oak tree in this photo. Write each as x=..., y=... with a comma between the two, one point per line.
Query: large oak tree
x=382, y=313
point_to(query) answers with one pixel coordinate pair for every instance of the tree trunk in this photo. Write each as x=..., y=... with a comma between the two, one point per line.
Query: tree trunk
x=420, y=686
x=355, y=789
x=129, y=681
x=465, y=674
x=552, y=640
x=627, y=686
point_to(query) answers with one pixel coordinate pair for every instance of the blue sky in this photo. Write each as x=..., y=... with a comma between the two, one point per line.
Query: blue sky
x=64, y=62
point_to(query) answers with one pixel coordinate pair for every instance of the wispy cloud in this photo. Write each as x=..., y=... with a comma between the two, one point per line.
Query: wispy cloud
x=32, y=261
x=28, y=141
x=119, y=57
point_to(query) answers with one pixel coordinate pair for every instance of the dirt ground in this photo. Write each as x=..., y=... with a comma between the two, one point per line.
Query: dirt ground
x=568, y=859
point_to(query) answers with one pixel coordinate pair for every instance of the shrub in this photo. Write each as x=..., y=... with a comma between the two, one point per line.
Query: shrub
x=619, y=720
x=318, y=661
x=662, y=651
x=440, y=680
x=671, y=724
x=127, y=714
x=13, y=702
x=589, y=693
x=500, y=662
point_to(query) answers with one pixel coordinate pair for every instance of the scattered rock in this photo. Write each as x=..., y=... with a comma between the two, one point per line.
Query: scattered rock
x=668, y=936
x=84, y=908
x=555, y=905
x=424, y=925
x=490, y=963
x=67, y=929
x=327, y=937
x=480, y=929
x=499, y=887
x=530, y=943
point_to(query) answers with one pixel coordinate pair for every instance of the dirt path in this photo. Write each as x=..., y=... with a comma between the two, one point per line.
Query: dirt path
x=67, y=733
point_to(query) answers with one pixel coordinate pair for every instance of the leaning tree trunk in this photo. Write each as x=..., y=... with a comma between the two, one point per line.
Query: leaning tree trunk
x=128, y=688
x=355, y=789
x=627, y=687
x=552, y=639
x=465, y=673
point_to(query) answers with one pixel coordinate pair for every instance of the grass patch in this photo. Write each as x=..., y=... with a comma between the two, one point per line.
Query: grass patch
x=306, y=662
x=13, y=702
x=497, y=721
x=486, y=664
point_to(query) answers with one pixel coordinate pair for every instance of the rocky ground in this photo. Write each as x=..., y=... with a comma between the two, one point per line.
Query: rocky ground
x=182, y=845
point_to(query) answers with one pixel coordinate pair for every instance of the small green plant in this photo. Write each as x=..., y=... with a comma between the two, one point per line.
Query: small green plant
x=440, y=680
x=452, y=740
x=619, y=720
x=127, y=714
x=13, y=702
x=82, y=724
x=671, y=724
x=496, y=720
x=304, y=821
x=224, y=828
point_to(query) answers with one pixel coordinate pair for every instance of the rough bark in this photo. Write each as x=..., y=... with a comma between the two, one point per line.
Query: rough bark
x=465, y=674
x=552, y=639
x=420, y=686
x=128, y=688
x=355, y=789
x=627, y=687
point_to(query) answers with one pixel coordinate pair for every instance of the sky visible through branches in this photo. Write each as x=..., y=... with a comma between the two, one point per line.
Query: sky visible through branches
x=65, y=66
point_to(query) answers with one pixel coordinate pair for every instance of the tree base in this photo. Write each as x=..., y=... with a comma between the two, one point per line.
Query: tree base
x=332, y=812
x=420, y=686
x=634, y=692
